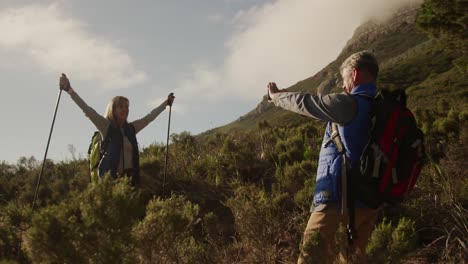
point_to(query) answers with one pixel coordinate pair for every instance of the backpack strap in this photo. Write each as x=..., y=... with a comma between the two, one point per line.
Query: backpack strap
x=335, y=137
x=366, y=96
x=347, y=195
x=106, y=140
x=103, y=146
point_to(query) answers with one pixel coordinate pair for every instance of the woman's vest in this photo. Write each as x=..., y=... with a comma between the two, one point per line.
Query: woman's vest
x=111, y=157
x=355, y=136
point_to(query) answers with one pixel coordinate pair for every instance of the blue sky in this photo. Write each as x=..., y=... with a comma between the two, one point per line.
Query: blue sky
x=216, y=56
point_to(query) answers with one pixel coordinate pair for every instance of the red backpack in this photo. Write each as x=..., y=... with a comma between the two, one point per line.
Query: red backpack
x=391, y=161
x=393, y=158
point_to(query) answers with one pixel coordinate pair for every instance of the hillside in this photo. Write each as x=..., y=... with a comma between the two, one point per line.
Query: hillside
x=407, y=57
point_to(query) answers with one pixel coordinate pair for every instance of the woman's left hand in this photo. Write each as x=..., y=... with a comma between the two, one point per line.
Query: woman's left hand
x=64, y=83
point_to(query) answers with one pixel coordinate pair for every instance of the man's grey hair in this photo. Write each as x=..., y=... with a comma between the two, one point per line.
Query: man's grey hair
x=363, y=61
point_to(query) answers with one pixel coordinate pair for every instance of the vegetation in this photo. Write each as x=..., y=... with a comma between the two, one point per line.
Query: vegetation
x=241, y=193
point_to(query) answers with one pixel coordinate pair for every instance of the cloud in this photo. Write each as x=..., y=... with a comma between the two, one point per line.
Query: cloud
x=283, y=41
x=56, y=42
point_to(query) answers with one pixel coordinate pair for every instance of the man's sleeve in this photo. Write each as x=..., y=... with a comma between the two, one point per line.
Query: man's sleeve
x=336, y=107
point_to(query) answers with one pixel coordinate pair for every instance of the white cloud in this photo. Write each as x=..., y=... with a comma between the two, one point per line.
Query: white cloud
x=283, y=41
x=57, y=43
x=207, y=83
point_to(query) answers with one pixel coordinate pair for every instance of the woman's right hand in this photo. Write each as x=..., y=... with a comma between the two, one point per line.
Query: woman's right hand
x=64, y=83
x=170, y=99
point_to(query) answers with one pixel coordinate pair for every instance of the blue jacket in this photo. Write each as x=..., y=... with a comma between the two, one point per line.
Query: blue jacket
x=354, y=136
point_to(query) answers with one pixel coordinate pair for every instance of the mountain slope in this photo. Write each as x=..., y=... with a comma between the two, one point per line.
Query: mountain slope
x=407, y=57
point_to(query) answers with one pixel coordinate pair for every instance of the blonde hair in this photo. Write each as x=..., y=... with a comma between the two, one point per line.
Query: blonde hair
x=112, y=105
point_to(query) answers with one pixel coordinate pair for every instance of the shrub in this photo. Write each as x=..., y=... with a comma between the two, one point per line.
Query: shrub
x=303, y=198
x=167, y=233
x=463, y=115
x=238, y=160
x=13, y=219
x=389, y=244
x=453, y=114
x=456, y=238
x=151, y=177
x=51, y=237
x=108, y=210
x=290, y=150
x=294, y=175
x=260, y=218
x=207, y=169
x=379, y=242
x=404, y=238
x=446, y=126
x=93, y=226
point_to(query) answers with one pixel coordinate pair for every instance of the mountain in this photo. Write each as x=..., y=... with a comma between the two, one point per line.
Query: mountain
x=408, y=59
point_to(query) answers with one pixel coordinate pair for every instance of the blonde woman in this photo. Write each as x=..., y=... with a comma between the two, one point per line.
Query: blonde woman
x=121, y=154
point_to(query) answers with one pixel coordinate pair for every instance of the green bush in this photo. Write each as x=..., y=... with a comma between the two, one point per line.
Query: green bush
x=443, y=106
x=211, y=227
x=52, y=235
x=151, y=177
x=463, y=115
x=290, y=150
x=94, y=226
x=13, y=219
x=167, y=233
x=154, y=151
x=446, y=126
x=294, y=175
x=260, y=218
x=379, y=243
x=389, y=244
x=453, y=114
x=303, y=198
x=404, y=238
x=208, y=169
x=240, y=158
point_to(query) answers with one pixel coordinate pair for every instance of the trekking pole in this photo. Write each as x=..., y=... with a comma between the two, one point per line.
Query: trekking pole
x=45, y=155
x=167, y=143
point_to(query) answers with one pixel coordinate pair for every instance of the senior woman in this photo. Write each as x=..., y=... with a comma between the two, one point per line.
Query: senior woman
x=120, y=154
